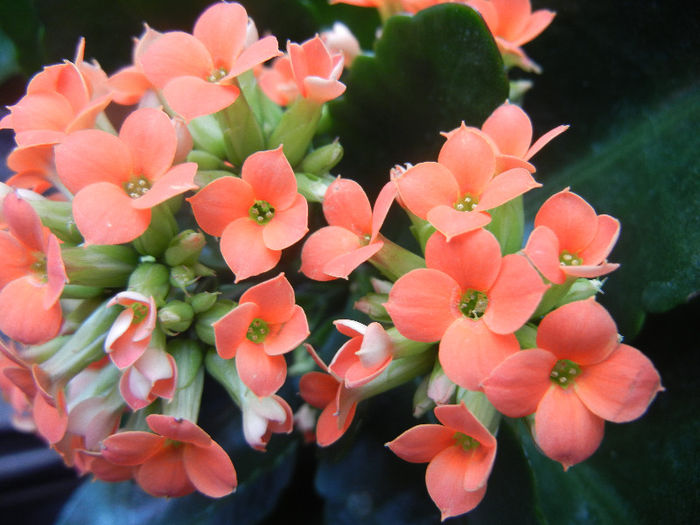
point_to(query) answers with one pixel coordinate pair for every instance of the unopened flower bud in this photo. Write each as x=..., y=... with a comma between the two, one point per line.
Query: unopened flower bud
x=57, y=216
x=321, y=160
x=201, y=302
x=151, y=279
x=182, y=276
x=372, y=304
x=185, y=248
x=184, y=140
x=313, y=187
x=340, y=39
x=105, y=266
x=208, y=135
x=580, y=290
x=175, y=316
x=203, y=324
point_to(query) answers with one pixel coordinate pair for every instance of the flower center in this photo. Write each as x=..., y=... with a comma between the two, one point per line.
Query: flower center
x=473, y=304
x=466, y=442
x=257, y=331
x=38, y=267
x=569, y=259
x=261, y=212
x=564, y=372
x=217, y=74
x=467, y=203
x=136, y=186
x=140, y=312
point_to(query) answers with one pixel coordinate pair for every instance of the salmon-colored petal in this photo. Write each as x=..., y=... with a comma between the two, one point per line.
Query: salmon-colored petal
x=86, y=117
x=22, y=313
x=329, y=427
x=469, y=352
x=542, y=249
x=292, y=334
x=40, y=111
x=620, y=388
x=150, y=137
x=480, y=467
x=56, y=273
x=105, y=214
x=274, y=297
x=51, y=421
x=164, y=475
x=272, y=178
x=565, y=429
x=318, y=389
x=222, y=30
x=322, y=90
x=175, y=181
x=210, y=469
x=460, y=418
x=543, y=140
x=385, y=199
x=422, y=443
x=244, y=250
x=514, y=296
x=472, y=259
x=590, y=271
x=346, y=205
x=603, y=242
x=89, y=156
x=193, y=97
x=359, y=374
x=512, y=17
x=582, y=331
x=508, y=162
x=516, y=386
x=128, y=85
x=178, y=429
x=571, y=219
x=426, y=185
x=452, y=223
x=257, y=53
x=23, y=222
x=422, y=304
x=221, y=202
x=343, y=265
x=231, y=329
x=510, y=128
x=444, y=479
x=536, y=23
x=471, y=159
x=262, y=373
x=288, y=226
x=175, y=54
x=18, y=260
x=323, y=246
x=131, y=448
x=506, y=187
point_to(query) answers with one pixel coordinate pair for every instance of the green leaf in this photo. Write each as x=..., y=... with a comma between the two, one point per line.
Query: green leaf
x=646, y=175
x=429, y=72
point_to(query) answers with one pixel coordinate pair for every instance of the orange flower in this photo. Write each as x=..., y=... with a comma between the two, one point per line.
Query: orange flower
x=470, y=299
x=197, y=72
x=353, y=235
x=316, y=70
x=177, y=460
x=578, y=376
x=117, y=180
x=460, y=455
x=256, y=216
x=265, y=325
x=569, y=239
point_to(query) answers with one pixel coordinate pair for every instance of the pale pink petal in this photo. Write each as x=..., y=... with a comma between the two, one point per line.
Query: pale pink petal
x=291, y=335
x=150, y=137
x=471, y=159
x=582, y=331
x=444, y=479
x=346, y=205
x=590, y=271
x=105, y=214
x=343, y=265
x=514, y=296
x=472, y=259
x=274, y=297
x=262, y=373
x=422, y=443
x=516, y=386
x=505, y=187
x=176, y=181
x=222, y=30
x=230, y=331
x=257, y=53
x=571, y=219
x=620, y=388
x=210, y=469
x=510, y=128
x=323, y=246
x=288, y=225
x=193, y=97
x=56, y=272
x=322, y=90
x=175, y=54
x=423, y=303
x=272, y=178
x=89, y=156
x=426, y=185
x=542, y=249
x=565, y=429
x=452, y=223
x=221, y=202
x=603, y=242
x=469, y=352
x=345, y=357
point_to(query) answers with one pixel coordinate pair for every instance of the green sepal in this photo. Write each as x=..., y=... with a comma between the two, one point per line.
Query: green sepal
x=296, y=129
x=208, y=136
x=57, y=216
x=156, y=239
x=175, y=317
x=103, y=266
x=202, y=301
x=322, y=160
x=185, y=248
x=187, y=399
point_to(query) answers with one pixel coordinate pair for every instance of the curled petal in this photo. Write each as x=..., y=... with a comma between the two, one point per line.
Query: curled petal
x=131, y=448
x=422, y=443
x=542, y=249
x=178, y=429
x=603, y=242
x=210, y=469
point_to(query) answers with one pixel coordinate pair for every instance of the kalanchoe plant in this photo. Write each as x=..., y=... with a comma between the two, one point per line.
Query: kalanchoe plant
x=184, y=255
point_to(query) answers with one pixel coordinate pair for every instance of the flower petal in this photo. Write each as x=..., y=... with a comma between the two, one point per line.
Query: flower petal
x=422, y=443
x=230, y=331
x=346, y=205
x=288, y=226
x=426, y=185
x=221, y=202
x=291, y=335
x=274, y=297
x=344, y=264
x=460, y=418
x=262, y=373
x=272, y=178
x=175, y=54
x=210, y=469
x=131, y=448
x=318, y=389
x=505, y=187
x=510, y=128
x=177, y=180
x=385, y=199
x=542, y=249
x=471, y=159
x=192, y=96
x=151, y=139
x=222, y=29
x=451, y=222
x=178, y=429
x=22, y=313
x=323, y=246
x=603, y=242
x=164, y=475
x=571, y=218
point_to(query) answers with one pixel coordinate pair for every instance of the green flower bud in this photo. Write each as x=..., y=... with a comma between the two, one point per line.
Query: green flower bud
x=101, y=266
x=182, y=276
x=151, y=279
x=57, y=216
x=185, y=248
x=321, y=160
x=201, y=302
x=313, y=187
x=296, y=129
x=175, y=317
x=203, y=324
x=207, y=135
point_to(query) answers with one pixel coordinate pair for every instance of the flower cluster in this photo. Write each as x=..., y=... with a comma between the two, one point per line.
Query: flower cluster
x=147, y=253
